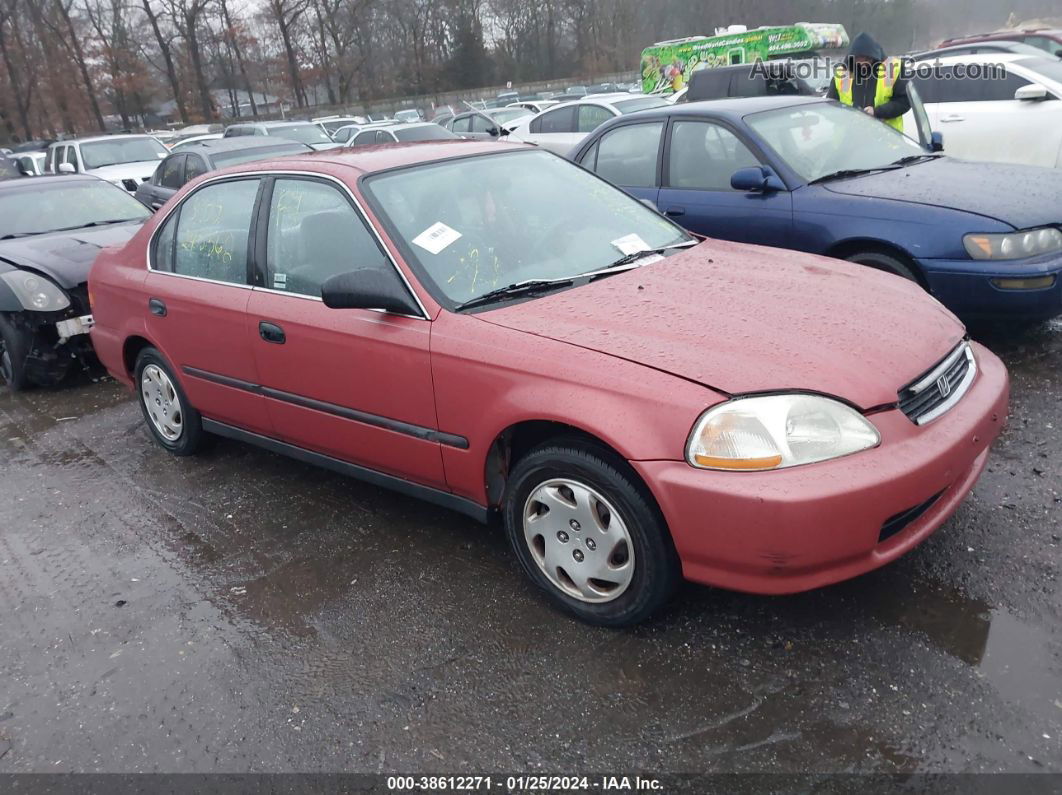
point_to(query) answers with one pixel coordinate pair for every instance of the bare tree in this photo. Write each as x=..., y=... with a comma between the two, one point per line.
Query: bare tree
x=74, y=45
x=167, y=57
x=286, y=15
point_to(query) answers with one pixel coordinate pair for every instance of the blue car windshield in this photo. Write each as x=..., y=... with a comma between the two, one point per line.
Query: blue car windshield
x=823, y=138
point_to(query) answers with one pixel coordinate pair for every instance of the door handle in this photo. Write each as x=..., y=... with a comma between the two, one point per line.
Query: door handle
x=953, y=117
x=675, y=212
x=156, y=307
x=271, y=332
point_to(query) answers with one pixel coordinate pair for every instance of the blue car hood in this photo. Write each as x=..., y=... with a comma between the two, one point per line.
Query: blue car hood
x=1022, y=196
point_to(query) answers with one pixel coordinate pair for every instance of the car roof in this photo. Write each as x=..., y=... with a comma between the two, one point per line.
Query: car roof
x=87, y=139
x=983, y=57
x=215, y=145
x=373, y=159
x=732, y=108
x=1007, y=46
x=1006, y=34
x=412, y=125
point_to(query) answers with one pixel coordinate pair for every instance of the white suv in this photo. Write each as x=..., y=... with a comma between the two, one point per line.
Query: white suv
x=1011, y=117
x=123, y=160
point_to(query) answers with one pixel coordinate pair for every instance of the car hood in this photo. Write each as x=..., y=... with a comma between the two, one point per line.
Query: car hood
x=65, y=257
x=743, y=319
x=1022, y=196
x=140, y=170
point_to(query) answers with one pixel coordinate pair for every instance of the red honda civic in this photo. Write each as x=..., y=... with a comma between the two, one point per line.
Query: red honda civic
x=491, y=328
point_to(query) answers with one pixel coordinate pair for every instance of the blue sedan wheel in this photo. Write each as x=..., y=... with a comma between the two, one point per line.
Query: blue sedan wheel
x=884, y=262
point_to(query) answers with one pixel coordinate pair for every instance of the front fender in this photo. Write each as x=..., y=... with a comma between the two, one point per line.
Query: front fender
x=827, y=220
x=8, y=300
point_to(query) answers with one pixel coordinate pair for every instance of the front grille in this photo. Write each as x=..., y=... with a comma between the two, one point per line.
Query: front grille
x=939, y=389
x=899, y=522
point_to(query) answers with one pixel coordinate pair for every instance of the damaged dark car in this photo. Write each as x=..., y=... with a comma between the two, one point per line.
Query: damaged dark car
x=51, y=229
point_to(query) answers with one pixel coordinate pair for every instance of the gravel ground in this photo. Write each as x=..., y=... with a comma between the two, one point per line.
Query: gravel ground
x=239, y=611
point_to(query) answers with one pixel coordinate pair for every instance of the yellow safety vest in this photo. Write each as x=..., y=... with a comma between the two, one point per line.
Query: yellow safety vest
x=889, y=75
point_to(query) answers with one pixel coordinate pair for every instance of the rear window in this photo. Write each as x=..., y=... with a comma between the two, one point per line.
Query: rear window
x=303, y=133
x=223, y=159
x=429, y=132
x=638, y=103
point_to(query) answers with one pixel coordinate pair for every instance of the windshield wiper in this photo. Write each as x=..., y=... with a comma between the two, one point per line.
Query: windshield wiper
x=906, y=161
x=516, y=290
x=15, y=235
x=634, y=256
x=852, y=172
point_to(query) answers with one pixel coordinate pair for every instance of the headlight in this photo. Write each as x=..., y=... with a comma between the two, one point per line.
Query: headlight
x=1017, y=245
x=777, y=431
x=35, y=292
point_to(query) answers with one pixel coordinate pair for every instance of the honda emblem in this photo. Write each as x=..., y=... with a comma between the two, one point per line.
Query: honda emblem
x=944, y=385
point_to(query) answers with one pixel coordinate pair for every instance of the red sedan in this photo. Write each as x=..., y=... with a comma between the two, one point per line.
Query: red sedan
x=494, y=329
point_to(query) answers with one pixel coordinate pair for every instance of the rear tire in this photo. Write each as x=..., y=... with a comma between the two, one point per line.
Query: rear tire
x=884, y=262
x=14, y=348
x=172, y=420
x=587, y=532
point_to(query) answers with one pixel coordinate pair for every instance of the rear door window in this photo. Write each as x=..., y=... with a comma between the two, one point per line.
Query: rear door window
x=194, y=167
x=561, y=120
x=627, y=155
x=213, y=226
x=171, y=173
x=591, y=117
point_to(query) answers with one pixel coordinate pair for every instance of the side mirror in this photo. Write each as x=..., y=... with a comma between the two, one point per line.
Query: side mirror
x=936, y=142
x=1031, y=93
x=758, y=179
x=368, y=288
x=67, y=168
x=493, y=132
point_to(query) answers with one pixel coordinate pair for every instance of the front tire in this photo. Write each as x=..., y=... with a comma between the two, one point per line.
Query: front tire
x=587, y=532
x=884, y=262
x=172, y=420
x=14, y=348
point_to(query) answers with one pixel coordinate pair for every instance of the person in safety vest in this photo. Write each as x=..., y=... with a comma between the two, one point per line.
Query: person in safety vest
x=872, y=82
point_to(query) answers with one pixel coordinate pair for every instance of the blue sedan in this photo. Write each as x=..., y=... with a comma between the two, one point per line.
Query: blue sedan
x=809, y=174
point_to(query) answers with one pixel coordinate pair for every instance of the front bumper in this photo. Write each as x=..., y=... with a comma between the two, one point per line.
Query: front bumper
x=802, y=528
x=968, y=288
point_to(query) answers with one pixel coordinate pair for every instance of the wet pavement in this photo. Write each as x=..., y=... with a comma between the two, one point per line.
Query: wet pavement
x=239, y=611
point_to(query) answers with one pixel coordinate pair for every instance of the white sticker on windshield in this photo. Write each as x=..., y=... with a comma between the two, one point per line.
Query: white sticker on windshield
x=436, y=237
x=630, y=244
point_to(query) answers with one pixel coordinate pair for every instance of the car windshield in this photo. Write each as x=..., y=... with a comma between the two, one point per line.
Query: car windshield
x=639, y=103
x=98, y=154
x=223, y=159
x=824, y=138
x=303, y=133
x=427, y=132
x=334, y=124
x=1051, y=69
x=65, y=205
x=525, y=215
